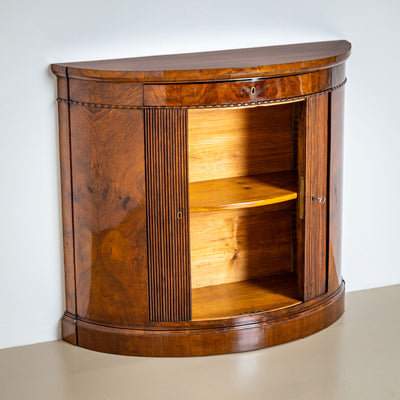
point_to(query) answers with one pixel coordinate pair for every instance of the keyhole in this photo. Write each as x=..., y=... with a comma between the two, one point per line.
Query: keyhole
x=253, y=90
x=179, y=215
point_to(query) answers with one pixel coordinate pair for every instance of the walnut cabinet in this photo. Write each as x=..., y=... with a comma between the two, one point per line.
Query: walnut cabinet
x=201, y=198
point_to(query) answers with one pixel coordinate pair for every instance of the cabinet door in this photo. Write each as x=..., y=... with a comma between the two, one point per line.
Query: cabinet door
x=313, y=147
x=167, y=214
x=335, y=189
x=109, y=214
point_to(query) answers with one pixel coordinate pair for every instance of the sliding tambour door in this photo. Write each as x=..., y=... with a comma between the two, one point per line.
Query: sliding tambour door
x=313, y=172
x=167, y=214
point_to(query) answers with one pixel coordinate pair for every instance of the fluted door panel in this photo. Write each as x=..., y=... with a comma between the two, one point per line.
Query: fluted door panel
x=167, y=214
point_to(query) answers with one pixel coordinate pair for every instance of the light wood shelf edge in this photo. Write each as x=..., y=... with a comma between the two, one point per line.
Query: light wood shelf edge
x=243, y=191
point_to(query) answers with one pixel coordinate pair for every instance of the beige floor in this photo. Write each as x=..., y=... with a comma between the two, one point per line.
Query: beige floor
x=356, y=358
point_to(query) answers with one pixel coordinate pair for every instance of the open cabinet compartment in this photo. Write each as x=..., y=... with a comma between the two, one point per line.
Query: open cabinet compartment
x=243, y=199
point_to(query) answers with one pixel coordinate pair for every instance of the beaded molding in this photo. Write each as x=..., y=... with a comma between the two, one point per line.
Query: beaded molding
x=244, y=104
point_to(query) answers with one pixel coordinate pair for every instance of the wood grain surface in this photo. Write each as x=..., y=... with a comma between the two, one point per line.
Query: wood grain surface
x=66, y=199
x=225, y=143
x=245, y=297
x=214, y=65
x=107, y=154
x=243, y=191
x=240, y=92
x=273, y=328
x=108, y=93
x=245, y=136
x=316, y=178
x=234, y=245
x=167, y=195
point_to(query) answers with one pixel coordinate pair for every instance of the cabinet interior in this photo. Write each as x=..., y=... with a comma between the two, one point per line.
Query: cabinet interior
x=243, y=193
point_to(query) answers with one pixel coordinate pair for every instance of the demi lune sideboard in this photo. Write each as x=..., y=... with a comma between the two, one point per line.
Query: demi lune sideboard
x=201, y=198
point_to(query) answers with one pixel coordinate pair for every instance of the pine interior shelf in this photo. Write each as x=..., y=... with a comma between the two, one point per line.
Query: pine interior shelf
x=245, y=297
x=243, y=191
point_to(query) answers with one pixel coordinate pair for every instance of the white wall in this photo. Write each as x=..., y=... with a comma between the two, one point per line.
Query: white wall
x=35, y=33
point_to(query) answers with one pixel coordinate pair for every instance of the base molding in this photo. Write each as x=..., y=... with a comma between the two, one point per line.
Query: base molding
x=68, y=328
x=199, y=341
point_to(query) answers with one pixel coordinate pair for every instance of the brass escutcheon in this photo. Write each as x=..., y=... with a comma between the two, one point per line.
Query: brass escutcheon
x=179, y=215
x=253, y=90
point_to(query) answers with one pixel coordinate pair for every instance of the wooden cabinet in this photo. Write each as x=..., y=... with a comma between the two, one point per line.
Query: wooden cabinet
x=202, y=199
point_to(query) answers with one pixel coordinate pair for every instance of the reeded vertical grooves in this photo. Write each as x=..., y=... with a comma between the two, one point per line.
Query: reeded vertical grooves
x=167, y=193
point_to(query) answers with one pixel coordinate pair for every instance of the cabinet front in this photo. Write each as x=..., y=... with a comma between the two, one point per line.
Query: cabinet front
x=201, y=198
x=237, y=208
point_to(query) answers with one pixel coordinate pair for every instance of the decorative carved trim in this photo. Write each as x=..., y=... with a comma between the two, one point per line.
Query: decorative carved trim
x=246, y=104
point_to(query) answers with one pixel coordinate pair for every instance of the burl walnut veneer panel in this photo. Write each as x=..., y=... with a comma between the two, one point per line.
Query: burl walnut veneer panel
x=109, y=214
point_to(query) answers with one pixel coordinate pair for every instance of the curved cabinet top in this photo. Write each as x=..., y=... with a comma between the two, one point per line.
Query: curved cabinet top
x=215, y=65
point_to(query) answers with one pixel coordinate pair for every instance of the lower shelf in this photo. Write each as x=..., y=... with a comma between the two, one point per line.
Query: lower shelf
x=244, y=297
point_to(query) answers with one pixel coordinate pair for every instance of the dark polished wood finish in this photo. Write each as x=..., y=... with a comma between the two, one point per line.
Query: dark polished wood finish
x=152, y=342
x=214, y=65
x=109, y=214
x=167, y=188
x=316, y=155
x=188, y=219
x=66, y=198
x=121, y=93
x=68, y=327
x=223, y=93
